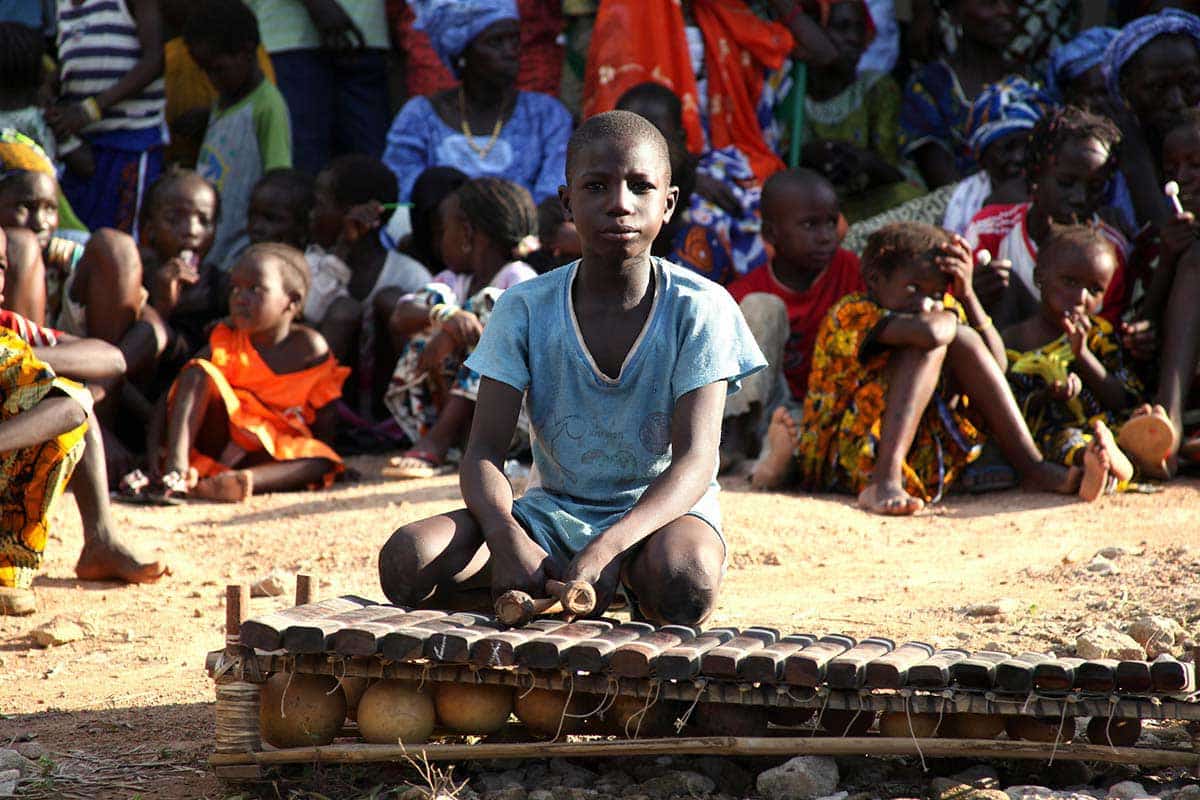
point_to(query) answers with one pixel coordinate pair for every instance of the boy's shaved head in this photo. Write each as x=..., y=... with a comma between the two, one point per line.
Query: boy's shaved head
x=797, y=178
x=618, y=126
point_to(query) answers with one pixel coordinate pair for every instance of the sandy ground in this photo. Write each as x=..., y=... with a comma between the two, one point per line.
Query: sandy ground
x=128, y=710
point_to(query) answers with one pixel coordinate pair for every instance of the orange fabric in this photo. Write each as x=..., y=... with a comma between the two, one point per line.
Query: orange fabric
x=636, y=41
x=268, y=412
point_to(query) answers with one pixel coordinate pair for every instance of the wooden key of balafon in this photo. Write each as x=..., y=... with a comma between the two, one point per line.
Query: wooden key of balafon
x=766, y=665
x=934, y=672
x=408, y=642
x=591, y=655
x=266, y=632
x=1134, y=677
x=722, y=662
x=317, y=636
x=890, y=671
x=453, y=645
x=577, y=598
x=807, y=667
x=849, y=670
x=683, y=661
x=1172, y=677
x=499, y=648
x=364, y=638
x=978, y=670
x=636, y=659
x=1015, y=675
x=1056, y=675
x=549, y=650
x=1099, y=675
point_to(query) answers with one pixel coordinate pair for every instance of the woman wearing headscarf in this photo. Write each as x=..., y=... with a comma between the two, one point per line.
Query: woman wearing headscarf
x=1075, y=74
x=485, y=126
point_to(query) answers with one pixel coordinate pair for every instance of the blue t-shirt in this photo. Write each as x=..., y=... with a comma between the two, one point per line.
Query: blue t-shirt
x=598, y=442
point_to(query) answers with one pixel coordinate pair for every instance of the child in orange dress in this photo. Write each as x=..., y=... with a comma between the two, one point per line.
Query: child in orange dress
x=253, y=411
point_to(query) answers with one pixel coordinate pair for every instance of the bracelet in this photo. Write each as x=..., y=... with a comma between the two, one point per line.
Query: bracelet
x=91, y=108
x=440, y=312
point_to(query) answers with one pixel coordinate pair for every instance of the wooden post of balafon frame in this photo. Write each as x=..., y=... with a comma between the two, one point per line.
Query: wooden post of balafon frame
x=237, y=698
x=306, y=590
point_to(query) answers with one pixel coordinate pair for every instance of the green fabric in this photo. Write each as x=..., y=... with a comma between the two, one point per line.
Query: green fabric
x=866, y=114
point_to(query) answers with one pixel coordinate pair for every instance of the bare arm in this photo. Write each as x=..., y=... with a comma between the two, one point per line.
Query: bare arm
x=695, y=439
x=936, y=165
x=408, y=318
x=149, y=66
x=53, y=416
x=925, y=331
x=83, y=359
x=812, y=43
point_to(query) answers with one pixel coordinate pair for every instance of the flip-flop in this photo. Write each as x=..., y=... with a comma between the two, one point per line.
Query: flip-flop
x=1148, y=440
x=421, y=464
x=134, y=489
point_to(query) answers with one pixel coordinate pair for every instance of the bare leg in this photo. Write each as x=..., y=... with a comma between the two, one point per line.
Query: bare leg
x=439, y=553
x=1180, y=346
x=193, y=393
x=105, y=555
x=25, y=276
x=340, y=329
x=778, y=458
x=912, y=376
x=677, y=572
x=108, y=282
x=972, y=366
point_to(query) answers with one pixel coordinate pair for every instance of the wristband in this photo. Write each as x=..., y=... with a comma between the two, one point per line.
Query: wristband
x=91, y=108
x=440, y=312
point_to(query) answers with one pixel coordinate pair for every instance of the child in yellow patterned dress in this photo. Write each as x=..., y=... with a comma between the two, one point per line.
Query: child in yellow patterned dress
x=1067, y=367
x=883, y=417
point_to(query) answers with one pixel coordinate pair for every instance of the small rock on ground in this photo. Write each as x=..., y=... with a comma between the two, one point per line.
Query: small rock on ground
x=1157, y=634
x=8, y=782
x=11, y=759
x=1005, y=605
x=1127, y=790
x=58, y=631
x=1043, y=793
x=979, y=776
x=541, y=794
x=274, y=585
x=678, y=782
x=1102, y=566
x=1106, y=641
x=801, y=778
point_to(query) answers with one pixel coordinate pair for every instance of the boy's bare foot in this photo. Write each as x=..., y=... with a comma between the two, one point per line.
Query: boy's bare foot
x=778, y=457
x=234, y=486
x=109, y=559
x=889, y=499
x=1104, y=465
x=1151, y=440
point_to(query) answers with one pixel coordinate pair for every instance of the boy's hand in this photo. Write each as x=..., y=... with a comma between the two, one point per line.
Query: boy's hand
x=991, y=282
x=338, y=32
x=359, y=221
x=1077, y=327
x=1178, y=234
x=464, y=327
x=172, y=278
x=600, y=567
x=1140, y=339
x=1068, y=389
x=718, y=193
x=955, y=261
x=521, y=564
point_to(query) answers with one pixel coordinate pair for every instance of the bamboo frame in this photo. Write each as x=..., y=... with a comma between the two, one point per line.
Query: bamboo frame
x=714, y=745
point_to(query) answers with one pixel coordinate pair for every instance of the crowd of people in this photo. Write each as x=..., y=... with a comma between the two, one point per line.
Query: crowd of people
x=244, y=239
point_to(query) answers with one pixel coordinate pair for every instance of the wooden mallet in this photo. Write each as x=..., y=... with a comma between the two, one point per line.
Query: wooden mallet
x=515, y=608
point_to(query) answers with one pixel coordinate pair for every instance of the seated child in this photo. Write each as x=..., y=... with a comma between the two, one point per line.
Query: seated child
x=784, y=302
x=625, y=361
x=1071, y=157
x=488, y=226
x=249, y=132
x=42, y=427
x=1067, y=368
x=280, y=206
x=852, y=120
x=560, y=240
x=252, y=412
x=879, y=419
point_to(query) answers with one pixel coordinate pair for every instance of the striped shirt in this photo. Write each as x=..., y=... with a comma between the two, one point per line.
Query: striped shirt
x=34, y=335
x=98, y=45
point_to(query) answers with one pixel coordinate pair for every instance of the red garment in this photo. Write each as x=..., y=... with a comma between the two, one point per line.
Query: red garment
x=541, y=54
x=1003, y=231
x=33, y=334
x=806, y=309
x=635, y=41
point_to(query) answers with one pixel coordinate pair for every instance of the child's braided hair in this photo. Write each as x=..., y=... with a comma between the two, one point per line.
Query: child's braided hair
x=1067, y=124
x=503, y=210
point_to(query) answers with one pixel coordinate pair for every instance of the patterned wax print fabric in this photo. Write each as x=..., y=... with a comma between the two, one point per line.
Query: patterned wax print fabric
x=1063, y=429
x=734, y=240
x=847, y=395
x=531, y=149
x=415, y=397
x=599, y=441
x=242, y=143
x=269, y=413
x=934, y=111
x=1072, y=59
x=31, y=479
x=1003, y=107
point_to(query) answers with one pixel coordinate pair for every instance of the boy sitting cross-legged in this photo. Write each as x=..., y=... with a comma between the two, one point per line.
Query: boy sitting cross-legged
x=623, y=362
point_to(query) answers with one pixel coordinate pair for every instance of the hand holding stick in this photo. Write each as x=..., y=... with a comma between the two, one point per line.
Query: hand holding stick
x=515, y=608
